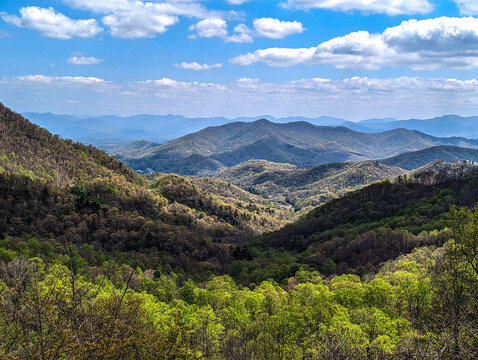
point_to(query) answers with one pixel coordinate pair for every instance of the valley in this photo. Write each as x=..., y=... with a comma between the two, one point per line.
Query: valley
x=322, y=213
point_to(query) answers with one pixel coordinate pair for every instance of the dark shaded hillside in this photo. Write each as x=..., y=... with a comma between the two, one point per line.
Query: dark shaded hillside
x=32, y=151
x=299, y=143
x=305, y=188
x=414, y=160
x=368, y=226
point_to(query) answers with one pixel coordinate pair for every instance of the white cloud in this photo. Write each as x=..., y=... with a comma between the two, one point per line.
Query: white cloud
x=364, y=97
x=236, y=2
x=84, y=60
x=263, y=27
x=422, y=45
x=209, y=28
x=61, y=80
x=196, y=66
x=126, y=26
x=394, y=7
x=143, y=19
x=467, y=7
x=166, y=82
x=52, y=24
x=276, y=29
x=242, y=34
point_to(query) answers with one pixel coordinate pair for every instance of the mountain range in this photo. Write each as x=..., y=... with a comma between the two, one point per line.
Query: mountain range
x=63, y=192
x=305, y=188
x=443, y=126
x=106, y=131
x=58, y=192
x=297, y=143
x=97, y=261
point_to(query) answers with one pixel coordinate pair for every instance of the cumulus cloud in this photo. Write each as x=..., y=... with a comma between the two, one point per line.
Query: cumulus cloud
x=196, y=66
x=242, y=34
x=144, y=19
x=209, y=28
x=467, y=7
x=364, y=97
x=84, y=60
x=125, y=26
x=276, y=29
x=51, y=23
x=396, y=7
x=422, y=45
x=263, y=27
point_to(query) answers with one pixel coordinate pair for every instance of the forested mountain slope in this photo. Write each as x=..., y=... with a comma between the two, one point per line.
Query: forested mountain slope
x=305, y=188
x=366, y=227
x=61, y=192
x=299, y=143
x=414, y=160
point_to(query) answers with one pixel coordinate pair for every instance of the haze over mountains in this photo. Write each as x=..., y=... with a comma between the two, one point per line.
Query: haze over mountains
x=106, y=130
x=109, y=129
x=444, y=126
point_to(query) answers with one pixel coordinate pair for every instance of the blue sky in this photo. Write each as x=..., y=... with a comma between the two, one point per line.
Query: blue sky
x=347, y=58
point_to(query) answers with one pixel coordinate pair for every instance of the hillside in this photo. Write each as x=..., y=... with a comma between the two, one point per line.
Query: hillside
x=414, y=160
x=378, y=222
x=60, y=192
x=305, y=188
x=299, y=143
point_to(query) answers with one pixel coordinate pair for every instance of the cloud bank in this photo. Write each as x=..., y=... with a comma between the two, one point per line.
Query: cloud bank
x=421, y=45
x=350, y=98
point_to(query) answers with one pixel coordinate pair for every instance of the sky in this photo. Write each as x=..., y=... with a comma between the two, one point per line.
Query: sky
x=353, y=59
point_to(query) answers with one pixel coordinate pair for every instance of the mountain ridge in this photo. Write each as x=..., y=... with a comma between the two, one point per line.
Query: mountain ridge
x=298, y=143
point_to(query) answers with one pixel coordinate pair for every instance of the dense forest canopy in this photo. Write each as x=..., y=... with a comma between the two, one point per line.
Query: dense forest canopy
x=422, y=305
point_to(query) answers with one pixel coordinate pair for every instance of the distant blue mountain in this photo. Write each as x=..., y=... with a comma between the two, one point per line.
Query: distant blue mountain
x=443, y=126
x=102, y=131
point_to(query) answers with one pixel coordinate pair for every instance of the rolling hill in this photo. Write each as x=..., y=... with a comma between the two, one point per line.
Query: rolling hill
x=358, y=231
x=305, y=188
x=415, y=159
x=297, y=143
